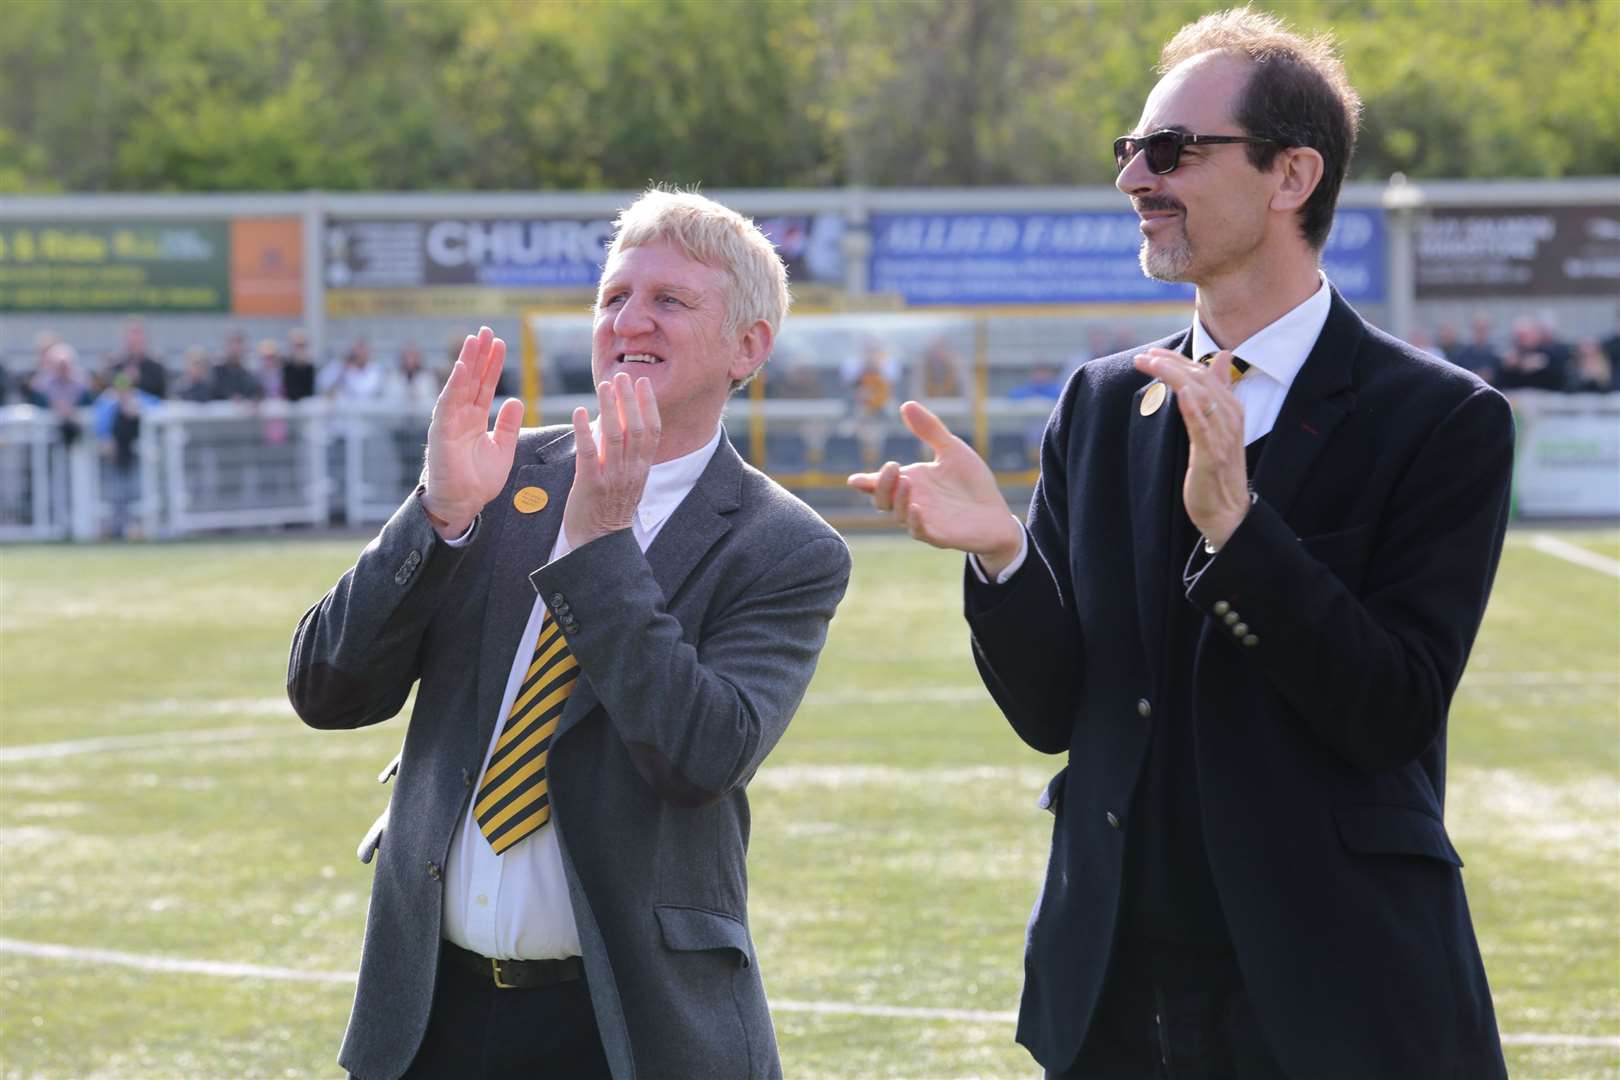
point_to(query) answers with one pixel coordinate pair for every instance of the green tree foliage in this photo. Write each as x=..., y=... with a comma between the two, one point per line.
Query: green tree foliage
x=261, y=95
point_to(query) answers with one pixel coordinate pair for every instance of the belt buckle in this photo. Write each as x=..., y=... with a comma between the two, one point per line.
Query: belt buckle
x=500, y=983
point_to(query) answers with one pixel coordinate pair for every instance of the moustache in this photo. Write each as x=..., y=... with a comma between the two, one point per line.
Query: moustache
x=1150, y=203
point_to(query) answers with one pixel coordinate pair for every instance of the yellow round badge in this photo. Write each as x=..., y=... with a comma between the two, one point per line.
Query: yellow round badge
x=530, y=499
x=1152, y=399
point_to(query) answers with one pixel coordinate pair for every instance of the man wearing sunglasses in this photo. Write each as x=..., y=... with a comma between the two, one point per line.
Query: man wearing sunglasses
x=1241, y=604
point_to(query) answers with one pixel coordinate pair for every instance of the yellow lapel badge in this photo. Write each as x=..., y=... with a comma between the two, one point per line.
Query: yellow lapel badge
x=530, y=500
x=1153, y=399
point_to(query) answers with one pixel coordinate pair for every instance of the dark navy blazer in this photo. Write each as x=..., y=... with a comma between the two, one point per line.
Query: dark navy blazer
x=1358, y=581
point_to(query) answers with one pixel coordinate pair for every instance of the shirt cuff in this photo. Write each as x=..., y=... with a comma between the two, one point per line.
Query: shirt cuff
x=465, y=538
x=1012, y=567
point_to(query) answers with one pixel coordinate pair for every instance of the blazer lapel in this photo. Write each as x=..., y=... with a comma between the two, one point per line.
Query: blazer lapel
x=1156, y=443
x=1317, y=402
x=522, y=543
x=697, y=524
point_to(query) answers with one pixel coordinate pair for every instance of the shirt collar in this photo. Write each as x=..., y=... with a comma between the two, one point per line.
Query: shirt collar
x=670, y=481
x=1280, y=348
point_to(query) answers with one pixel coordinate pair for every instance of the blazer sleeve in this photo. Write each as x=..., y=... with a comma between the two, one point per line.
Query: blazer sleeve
x=1018, y=627
x=356, y=653
x=697, y=719
x=1371, y=668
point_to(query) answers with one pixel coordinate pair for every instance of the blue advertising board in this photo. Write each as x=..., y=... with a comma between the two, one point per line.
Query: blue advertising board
x=1078, y=257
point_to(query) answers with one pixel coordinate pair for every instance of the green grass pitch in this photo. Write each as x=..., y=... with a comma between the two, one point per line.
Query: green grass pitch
x=897, y=847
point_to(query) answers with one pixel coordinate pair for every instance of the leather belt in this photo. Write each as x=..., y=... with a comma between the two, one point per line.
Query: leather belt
x=516, y=974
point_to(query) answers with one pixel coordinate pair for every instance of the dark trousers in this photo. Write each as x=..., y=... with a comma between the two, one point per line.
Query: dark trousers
x=477, y=1030
x=1172, y=1028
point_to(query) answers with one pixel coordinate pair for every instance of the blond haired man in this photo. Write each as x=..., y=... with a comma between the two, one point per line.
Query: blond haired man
x=612, y=623
x=1241, y=603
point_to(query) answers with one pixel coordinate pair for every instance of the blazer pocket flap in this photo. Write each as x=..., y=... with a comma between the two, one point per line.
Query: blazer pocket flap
x=697, y=930
x=1053, y=795
x=1395, y=830
x=373, y=838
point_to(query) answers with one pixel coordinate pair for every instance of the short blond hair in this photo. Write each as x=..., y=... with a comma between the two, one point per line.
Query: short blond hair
x=717, y=236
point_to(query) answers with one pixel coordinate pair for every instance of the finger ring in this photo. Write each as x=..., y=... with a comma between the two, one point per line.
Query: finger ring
x=1208, y=410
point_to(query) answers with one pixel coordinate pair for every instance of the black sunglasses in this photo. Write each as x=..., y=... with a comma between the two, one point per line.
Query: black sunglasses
x=1163, y=148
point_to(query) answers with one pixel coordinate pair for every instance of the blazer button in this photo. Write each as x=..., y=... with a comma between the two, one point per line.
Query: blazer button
x=557, y=600
x=1232, y=617
x=1112, y=820
x=1144, y=708
x=1222, y=607
x=1240, y=629
x=434, y=872
x=1252, y=640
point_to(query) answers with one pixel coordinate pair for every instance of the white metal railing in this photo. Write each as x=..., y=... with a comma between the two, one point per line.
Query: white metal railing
x=221, y=466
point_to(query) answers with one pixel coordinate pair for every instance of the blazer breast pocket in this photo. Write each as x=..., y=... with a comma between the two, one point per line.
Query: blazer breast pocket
x=1378, y=829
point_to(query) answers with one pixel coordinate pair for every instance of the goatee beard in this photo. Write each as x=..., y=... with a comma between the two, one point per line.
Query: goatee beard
x=1169, y=262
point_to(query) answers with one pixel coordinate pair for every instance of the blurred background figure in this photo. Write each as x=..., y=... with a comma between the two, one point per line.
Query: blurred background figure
x=298, y=373
x=792, y=377
x=196, y=381
x=940, y=372
x=117, y=419
x=870, y=378
x=411, y=382
x=61, y=386
x=272, y=370
x=136, y=360
x=1592, y=371
x=1478, y=354
x=232, y=381
x=1534, y=360
x=356, y=378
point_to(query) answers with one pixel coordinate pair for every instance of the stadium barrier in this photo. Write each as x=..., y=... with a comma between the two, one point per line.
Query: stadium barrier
x=224, y=466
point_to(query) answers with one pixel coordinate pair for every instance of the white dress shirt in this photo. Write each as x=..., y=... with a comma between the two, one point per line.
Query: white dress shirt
x=1274, y=353
x=514, y=906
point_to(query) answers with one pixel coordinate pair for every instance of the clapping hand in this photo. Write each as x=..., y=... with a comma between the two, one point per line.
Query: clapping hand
x=1216, y=488
x=467, y=463
x=950, y=502
x=609, y=479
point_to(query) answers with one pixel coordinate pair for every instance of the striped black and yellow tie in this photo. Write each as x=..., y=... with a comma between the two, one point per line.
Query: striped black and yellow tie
x=1239, y=368
x=513, y=800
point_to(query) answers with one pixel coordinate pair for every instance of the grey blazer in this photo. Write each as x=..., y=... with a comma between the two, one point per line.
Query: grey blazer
x=693, y=656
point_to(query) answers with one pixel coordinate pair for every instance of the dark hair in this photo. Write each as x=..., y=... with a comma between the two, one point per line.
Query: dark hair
x=1297, y=94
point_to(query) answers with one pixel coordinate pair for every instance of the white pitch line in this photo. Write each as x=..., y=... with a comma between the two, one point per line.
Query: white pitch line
x=1563, y=549
x=159, y=739
x=894, y=1012
x=172, y=965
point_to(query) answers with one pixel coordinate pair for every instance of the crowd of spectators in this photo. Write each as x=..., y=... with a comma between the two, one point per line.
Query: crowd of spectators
x=1531, y=357
x=114, y=393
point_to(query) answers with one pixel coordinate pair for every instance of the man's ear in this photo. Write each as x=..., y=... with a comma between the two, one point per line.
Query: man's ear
x=1301, y=170
x=753, y=350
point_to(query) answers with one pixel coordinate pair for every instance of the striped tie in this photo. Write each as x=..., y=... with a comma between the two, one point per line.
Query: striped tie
x=512, y=801
x=1239, y=368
